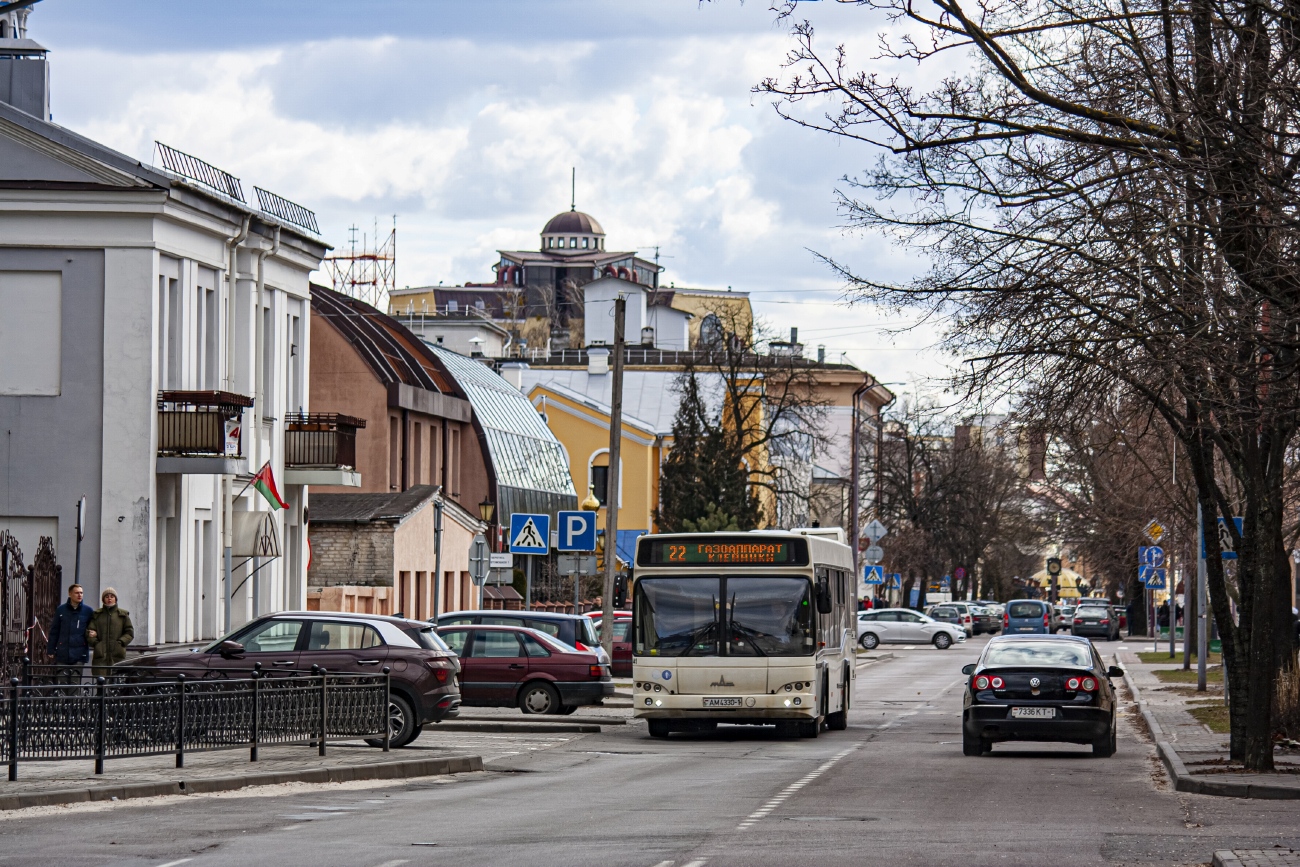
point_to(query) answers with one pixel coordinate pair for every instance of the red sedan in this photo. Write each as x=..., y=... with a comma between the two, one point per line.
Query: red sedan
x=622, y=655
x=513, y=666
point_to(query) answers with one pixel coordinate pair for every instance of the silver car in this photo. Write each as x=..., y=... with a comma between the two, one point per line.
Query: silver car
x=905, y=626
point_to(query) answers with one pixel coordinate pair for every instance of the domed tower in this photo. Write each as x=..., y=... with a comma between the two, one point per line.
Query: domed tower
x=572, y=232
x=24, y=71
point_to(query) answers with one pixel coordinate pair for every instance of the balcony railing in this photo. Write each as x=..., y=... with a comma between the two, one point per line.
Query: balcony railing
x=201, y=423
x=321, y=439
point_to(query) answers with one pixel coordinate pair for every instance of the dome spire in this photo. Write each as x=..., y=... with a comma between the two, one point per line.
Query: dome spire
x=573, y=189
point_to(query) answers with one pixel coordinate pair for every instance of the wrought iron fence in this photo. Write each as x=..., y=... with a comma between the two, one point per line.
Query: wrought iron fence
x=28, y=597
x=43, y=719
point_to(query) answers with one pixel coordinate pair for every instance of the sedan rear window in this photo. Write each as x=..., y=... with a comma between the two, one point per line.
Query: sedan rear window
x=1025, y=609
x=1038, y=653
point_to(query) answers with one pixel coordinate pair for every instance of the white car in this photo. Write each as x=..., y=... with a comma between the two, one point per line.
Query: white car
x=905, y=626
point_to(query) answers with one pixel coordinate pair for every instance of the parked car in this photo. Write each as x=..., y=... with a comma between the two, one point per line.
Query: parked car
x=997, y=607
x=948, y=613
x=1067, y=615
x=905, y=626
x=504, y=666
x=575, y=630
x=1097, y=620
x=621, y=666
x=1027, y=616
x=422, y=668
x=1039, y=688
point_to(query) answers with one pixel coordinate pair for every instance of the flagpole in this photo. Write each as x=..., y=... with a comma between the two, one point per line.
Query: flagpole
x=249, y=483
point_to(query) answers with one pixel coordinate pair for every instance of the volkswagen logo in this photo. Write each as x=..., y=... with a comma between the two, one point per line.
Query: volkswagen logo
x=1035, y=682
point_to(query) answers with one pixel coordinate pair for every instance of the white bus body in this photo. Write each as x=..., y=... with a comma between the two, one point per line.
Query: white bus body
x=748, y=628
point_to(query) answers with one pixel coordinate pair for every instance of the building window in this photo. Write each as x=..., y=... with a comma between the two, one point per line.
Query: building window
x=573, y=243
x=584, y=243
x=394, y=440
x=600, y=484
x=452, y=306
x=417, y=451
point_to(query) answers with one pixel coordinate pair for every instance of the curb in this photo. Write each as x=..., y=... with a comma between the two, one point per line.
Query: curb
x=525, y=727
x=1226, y=858
x=1185, y=782
x=342, y=774
x=578, y=720
x=884, y=657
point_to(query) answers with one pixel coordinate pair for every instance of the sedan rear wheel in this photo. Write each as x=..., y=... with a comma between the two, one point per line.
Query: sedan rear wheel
x=539, y=697
x=943, y=641
x=1104, y=746
x=972, y=746
x=869, y=641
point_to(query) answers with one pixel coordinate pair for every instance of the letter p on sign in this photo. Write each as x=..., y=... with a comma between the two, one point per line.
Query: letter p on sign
x=577, y=531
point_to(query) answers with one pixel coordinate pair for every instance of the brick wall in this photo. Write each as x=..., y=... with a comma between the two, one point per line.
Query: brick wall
x=350, y=554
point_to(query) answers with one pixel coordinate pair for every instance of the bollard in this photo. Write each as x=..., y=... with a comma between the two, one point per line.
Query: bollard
x=101, y=696
x=13, y=729
x=27, y=671
x=324, y=705
x=388, y=710
x=257, y=710
x=180, y=720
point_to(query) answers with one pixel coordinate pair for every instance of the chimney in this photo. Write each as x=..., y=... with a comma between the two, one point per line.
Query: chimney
x=513, y=373
x=794, y=336
x=821, y=353
x=24, y=71
x=597, y=361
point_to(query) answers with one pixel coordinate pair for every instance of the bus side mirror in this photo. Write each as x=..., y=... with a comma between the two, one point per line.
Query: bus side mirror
x=823, y=597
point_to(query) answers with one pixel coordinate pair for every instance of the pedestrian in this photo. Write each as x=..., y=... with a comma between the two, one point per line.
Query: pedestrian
x=67, y=636
x=1162, y=614
x=109, y=633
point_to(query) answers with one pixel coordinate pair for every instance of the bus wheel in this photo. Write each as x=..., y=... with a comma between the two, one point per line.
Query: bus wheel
x=839, y=721
x=809, y=729
x=659, y=728
x=788, y=729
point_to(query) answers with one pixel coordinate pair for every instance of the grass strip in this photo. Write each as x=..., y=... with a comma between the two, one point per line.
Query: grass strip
x=1161, y=657
x=1177, y=675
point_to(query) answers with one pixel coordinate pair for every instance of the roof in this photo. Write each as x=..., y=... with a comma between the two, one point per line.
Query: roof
x=532, y=473
x=650, y=397
x=387, y=347
x=573, y=221
x=390, y=508
x=569, y=257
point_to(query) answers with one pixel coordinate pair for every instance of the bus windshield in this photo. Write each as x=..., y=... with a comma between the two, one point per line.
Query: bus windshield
x=734, y=616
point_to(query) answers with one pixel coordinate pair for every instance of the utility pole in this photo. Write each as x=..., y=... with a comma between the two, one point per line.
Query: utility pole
x=611, y=495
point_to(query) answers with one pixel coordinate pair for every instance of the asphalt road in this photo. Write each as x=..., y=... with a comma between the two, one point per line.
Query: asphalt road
x=894, y=789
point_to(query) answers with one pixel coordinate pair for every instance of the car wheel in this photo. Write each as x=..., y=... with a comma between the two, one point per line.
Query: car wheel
x=869, y=641
x=659, y=728
x=401, y=724
x=943, y=641
x=1104, y=746
x=971, y=746
x=539, y=697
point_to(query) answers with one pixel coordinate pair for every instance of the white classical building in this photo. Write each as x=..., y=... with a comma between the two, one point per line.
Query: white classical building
x=154, y=353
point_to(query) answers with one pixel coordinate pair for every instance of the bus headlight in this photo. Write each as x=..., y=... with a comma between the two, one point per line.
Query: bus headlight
x=749, y=702
x=649, y=701
x=798, y=701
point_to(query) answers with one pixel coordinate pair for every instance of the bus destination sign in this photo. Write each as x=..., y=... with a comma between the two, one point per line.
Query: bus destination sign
x=724, y=551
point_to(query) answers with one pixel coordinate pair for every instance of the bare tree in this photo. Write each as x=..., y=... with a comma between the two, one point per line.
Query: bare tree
x=1107, y=196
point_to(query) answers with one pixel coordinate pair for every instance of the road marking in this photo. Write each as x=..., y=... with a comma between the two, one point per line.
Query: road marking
x=664, y=864
x=395, y=862
x=174, y=863
x=699, y=863
x=763, y=811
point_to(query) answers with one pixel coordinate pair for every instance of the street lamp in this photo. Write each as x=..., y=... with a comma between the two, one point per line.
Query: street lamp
x=486, y=510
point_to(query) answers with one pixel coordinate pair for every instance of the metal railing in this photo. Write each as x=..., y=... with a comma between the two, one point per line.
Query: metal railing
x=195, y=422
x=45, y=720
x=321, y=439
x=195, y=169
x=290, y=212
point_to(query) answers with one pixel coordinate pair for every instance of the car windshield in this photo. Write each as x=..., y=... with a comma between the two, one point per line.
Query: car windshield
x=699, y=616
x=1025, y=609
x=1038, y=653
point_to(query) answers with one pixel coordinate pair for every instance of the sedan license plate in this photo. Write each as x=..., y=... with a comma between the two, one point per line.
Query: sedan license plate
x=723, y=702
x=1033, y=712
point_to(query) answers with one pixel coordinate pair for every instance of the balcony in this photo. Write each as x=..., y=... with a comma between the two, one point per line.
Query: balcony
x=320, y=448
x=201, y=432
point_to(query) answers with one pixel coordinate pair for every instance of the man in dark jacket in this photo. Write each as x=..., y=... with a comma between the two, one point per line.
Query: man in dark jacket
x=67, y=641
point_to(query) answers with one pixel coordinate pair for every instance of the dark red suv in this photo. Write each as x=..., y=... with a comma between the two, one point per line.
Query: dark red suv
x=504, y=666
x=423, y=685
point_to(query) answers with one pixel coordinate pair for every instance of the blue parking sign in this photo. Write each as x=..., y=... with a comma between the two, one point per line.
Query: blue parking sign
x=530, y=534
x=577, y=531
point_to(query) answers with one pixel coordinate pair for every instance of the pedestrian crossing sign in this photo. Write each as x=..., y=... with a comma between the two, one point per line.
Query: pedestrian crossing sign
x=874, y=575
x=529, y=534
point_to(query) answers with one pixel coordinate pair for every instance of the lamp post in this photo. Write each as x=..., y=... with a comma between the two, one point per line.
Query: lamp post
x=486, y=510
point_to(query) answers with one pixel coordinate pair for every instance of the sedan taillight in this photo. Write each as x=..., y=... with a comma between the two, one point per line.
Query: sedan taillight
x=1089, y=684
x=1107, y=620
x=981, y=682
x=1072, y=684
x=1077, y=621
x=997, y=683
x=598, y=671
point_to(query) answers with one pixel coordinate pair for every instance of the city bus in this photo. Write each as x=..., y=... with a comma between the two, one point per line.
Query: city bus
x=745, y=628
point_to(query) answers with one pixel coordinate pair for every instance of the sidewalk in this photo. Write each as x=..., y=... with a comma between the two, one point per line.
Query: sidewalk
x=1195, y=756
x=70, y=782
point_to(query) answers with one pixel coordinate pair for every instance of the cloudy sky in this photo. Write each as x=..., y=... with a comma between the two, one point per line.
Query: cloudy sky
x=464, y=118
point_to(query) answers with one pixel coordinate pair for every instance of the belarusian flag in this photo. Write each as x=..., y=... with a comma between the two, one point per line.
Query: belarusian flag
x=264, y=481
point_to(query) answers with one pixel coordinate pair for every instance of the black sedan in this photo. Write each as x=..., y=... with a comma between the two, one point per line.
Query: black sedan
x=1039, y=688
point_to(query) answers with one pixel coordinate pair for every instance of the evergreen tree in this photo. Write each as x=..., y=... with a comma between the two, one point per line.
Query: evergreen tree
x=704, y=485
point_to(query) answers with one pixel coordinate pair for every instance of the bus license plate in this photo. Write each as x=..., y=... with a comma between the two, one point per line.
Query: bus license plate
x=723, y=702
x=1033, y=712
